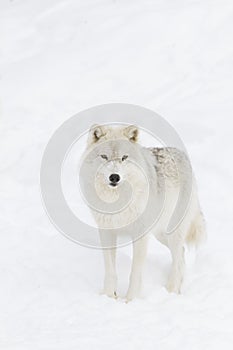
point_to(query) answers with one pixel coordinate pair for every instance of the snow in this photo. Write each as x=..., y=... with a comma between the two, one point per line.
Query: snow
x=59, y=57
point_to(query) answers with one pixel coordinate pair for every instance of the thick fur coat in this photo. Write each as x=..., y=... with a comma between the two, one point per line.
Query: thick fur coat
x=162, y=174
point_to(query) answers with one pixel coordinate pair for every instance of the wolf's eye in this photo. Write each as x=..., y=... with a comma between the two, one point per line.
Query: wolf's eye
x=104, y=156
x=124, y=157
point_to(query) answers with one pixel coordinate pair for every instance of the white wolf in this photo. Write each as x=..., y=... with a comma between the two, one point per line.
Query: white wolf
x=119, y=165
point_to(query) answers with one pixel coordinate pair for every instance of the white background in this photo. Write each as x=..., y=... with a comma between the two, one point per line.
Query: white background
x=58, y=58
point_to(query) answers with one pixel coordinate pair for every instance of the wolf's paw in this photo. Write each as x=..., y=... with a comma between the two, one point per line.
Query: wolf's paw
x=173, y=287
x=109, y=293
x=127, y=299
x=131, y=294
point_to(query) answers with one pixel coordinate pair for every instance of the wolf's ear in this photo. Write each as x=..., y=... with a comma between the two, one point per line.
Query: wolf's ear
x=131, y=132
x=95, y=133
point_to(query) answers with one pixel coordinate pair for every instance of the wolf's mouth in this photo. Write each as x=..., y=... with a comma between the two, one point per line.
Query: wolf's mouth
x=112, y=184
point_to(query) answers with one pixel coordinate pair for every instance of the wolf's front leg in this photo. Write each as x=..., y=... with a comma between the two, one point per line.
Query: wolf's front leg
x=110, y=280
x=139, y=255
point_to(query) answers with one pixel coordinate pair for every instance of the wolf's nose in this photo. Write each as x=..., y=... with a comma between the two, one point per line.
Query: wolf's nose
x=114, y=178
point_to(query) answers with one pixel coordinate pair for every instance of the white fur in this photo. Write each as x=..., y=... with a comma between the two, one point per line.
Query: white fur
x=159, y=166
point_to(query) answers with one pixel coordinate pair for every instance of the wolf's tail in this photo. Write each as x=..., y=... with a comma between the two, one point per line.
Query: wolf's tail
x=197, y=231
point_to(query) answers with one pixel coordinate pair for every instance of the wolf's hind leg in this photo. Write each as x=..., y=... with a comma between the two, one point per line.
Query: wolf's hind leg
x=178, y=263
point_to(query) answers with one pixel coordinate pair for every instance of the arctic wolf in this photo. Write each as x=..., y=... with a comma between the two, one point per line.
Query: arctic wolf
x=122, y=160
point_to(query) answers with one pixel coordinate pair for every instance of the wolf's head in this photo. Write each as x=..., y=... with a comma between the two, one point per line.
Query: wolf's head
x=117, y=152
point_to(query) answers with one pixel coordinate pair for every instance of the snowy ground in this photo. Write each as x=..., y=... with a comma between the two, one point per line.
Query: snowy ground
x=59, y=57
